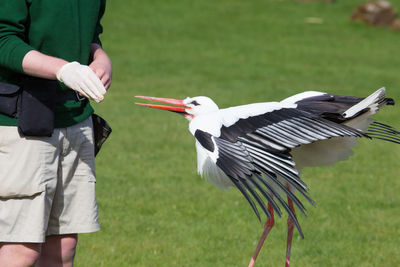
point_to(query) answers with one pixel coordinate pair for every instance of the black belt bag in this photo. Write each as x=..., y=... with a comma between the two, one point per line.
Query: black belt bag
x=32, y=103
x=36, y=108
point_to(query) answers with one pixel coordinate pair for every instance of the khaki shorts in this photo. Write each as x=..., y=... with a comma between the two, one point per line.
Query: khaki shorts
x=47, y=184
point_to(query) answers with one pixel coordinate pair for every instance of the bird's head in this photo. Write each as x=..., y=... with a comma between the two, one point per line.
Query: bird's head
x=189, y=107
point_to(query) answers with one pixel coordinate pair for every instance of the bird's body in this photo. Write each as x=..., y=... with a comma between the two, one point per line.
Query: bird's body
x=216, y=120
x=260, y=148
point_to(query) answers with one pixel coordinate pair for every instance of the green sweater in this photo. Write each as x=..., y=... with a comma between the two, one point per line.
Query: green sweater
x=62, y=28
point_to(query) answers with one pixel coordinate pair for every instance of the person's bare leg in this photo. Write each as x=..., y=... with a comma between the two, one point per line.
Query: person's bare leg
x=19, y=254
x=58, y=251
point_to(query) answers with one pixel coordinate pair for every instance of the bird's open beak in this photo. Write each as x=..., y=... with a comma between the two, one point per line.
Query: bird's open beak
x=178, y=108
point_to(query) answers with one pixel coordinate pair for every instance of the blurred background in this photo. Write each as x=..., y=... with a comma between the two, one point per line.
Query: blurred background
x=154, y=208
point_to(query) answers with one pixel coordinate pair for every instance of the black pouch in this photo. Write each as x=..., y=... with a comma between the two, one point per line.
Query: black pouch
x=101, y=131
x=9, y=94
x=36, y=107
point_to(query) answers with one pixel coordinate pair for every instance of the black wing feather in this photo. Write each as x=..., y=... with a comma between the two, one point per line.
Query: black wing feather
x=246, y=195
x=204, y=139
x=384, y=132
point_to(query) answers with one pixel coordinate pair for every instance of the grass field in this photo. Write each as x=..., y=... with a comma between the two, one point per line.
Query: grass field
x=154, y=208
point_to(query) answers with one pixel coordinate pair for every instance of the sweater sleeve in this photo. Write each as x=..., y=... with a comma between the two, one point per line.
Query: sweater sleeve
x=99, y=27
x=13, y=48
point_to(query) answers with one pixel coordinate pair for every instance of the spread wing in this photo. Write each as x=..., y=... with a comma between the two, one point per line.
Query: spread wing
x=254, y=153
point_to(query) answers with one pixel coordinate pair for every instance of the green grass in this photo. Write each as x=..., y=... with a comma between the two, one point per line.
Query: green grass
x=154, y=208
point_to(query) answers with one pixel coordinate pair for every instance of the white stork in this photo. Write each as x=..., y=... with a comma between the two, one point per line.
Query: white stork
x=260, y=148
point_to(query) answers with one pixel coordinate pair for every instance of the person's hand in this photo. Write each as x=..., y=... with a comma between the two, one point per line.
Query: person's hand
x=101, y=65
x=82, y=79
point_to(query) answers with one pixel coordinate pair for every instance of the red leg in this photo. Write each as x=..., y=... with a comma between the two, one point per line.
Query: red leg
x=267, y=227
x=290, y=233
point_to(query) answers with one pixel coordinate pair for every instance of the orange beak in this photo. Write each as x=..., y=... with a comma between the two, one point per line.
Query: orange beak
x=178, y=108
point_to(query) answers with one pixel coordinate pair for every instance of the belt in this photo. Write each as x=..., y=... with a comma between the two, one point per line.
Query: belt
x=69, y=95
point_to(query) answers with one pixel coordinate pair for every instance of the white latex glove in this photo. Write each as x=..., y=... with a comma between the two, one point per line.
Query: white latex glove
x=82, y=79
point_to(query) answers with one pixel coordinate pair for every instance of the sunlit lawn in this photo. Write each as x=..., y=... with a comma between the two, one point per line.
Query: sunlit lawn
x=154, y=208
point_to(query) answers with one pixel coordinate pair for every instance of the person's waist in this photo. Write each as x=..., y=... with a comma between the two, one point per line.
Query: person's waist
x=66, y=95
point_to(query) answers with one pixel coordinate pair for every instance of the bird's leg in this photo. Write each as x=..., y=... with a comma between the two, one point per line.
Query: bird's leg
x=290, y=233
x=267, y=227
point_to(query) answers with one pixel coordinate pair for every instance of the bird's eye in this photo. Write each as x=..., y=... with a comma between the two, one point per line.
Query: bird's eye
x=194, y=103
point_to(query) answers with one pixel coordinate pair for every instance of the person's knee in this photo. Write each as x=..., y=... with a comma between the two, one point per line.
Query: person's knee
x=18, y=254
x=58, y=249
x=68, y=247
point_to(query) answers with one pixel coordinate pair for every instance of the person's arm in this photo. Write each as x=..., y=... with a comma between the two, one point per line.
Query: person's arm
x=13, y=18
x=101, y=64
x=40, y=65
x=78, y=77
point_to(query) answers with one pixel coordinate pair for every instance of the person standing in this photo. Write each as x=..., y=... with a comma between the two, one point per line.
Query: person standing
x=51, y=64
